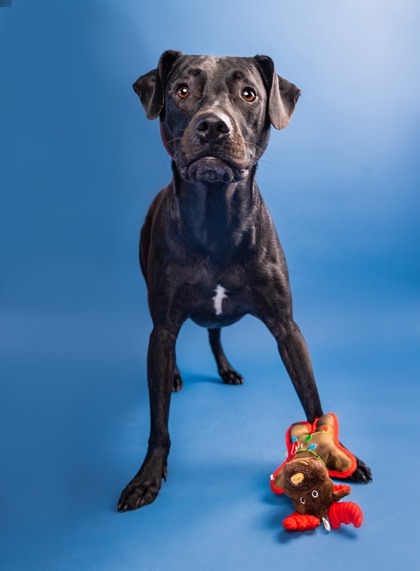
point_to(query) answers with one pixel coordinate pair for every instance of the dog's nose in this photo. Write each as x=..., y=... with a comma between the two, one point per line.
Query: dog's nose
x=211, y=127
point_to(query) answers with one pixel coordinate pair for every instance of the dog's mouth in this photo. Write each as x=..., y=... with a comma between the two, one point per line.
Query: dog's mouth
x=212, y=170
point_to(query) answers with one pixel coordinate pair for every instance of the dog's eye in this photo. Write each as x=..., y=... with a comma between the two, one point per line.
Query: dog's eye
x=248, y=94
x=183, y=91
x=302, y=500
x=315, y=494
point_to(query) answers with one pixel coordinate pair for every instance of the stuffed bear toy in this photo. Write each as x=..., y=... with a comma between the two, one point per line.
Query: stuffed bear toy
x=314, y=455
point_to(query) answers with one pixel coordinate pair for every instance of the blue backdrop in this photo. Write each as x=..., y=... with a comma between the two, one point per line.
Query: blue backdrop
x=80, y=165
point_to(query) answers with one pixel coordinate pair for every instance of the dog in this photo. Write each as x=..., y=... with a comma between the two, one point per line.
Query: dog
x=208, y=247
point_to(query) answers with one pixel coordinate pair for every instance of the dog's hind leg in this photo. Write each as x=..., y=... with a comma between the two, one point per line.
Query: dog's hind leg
x=226, y=371
x=177, y=382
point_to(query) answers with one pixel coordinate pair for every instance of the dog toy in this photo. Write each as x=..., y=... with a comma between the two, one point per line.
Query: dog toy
x=314, y=454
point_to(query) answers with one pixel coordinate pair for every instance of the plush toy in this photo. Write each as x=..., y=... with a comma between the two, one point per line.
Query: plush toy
x=315, y=454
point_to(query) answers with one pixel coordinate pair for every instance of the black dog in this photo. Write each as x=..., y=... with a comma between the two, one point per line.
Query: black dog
x=208, y=249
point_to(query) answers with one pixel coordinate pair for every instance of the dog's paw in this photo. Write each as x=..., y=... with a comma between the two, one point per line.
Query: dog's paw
x=140, y=492
x=177, y=383
x=231, y=377
x=361, y=474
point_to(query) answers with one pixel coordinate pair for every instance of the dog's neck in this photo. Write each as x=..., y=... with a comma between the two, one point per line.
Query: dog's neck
x=218, y=216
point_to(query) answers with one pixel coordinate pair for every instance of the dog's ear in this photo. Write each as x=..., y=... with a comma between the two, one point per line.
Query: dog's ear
x=151, y=86
x=282, y=95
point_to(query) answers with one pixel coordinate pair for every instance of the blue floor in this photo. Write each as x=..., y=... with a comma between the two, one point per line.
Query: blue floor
x=77, y=420
x=79, y=166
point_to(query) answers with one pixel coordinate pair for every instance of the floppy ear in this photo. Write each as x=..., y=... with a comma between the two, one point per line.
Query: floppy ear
x=150, y=87
x=282, y=95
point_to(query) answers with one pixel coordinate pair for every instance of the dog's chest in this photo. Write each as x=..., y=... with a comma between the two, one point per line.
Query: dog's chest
x=217, y=301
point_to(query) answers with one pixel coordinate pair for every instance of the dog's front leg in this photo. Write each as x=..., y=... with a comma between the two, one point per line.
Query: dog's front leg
x=144, y=487
x=295, y=355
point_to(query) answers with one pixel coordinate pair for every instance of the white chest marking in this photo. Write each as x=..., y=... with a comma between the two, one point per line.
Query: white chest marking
x=218, y=298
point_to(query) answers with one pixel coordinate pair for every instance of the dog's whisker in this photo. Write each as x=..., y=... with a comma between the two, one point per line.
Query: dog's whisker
x=265, y=162
x=255, y=145
x=173, y=140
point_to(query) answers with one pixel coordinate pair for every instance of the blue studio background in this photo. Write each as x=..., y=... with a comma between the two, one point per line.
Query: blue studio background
x=79, y=166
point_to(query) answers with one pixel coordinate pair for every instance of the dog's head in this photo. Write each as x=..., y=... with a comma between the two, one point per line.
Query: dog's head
x=215, y=112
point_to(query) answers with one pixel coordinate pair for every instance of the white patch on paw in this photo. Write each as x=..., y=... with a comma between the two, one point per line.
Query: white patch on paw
x=218, y=298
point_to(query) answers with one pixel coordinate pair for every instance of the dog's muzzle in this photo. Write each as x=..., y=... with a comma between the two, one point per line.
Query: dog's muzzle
x=212, y=170
x=211, y=144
